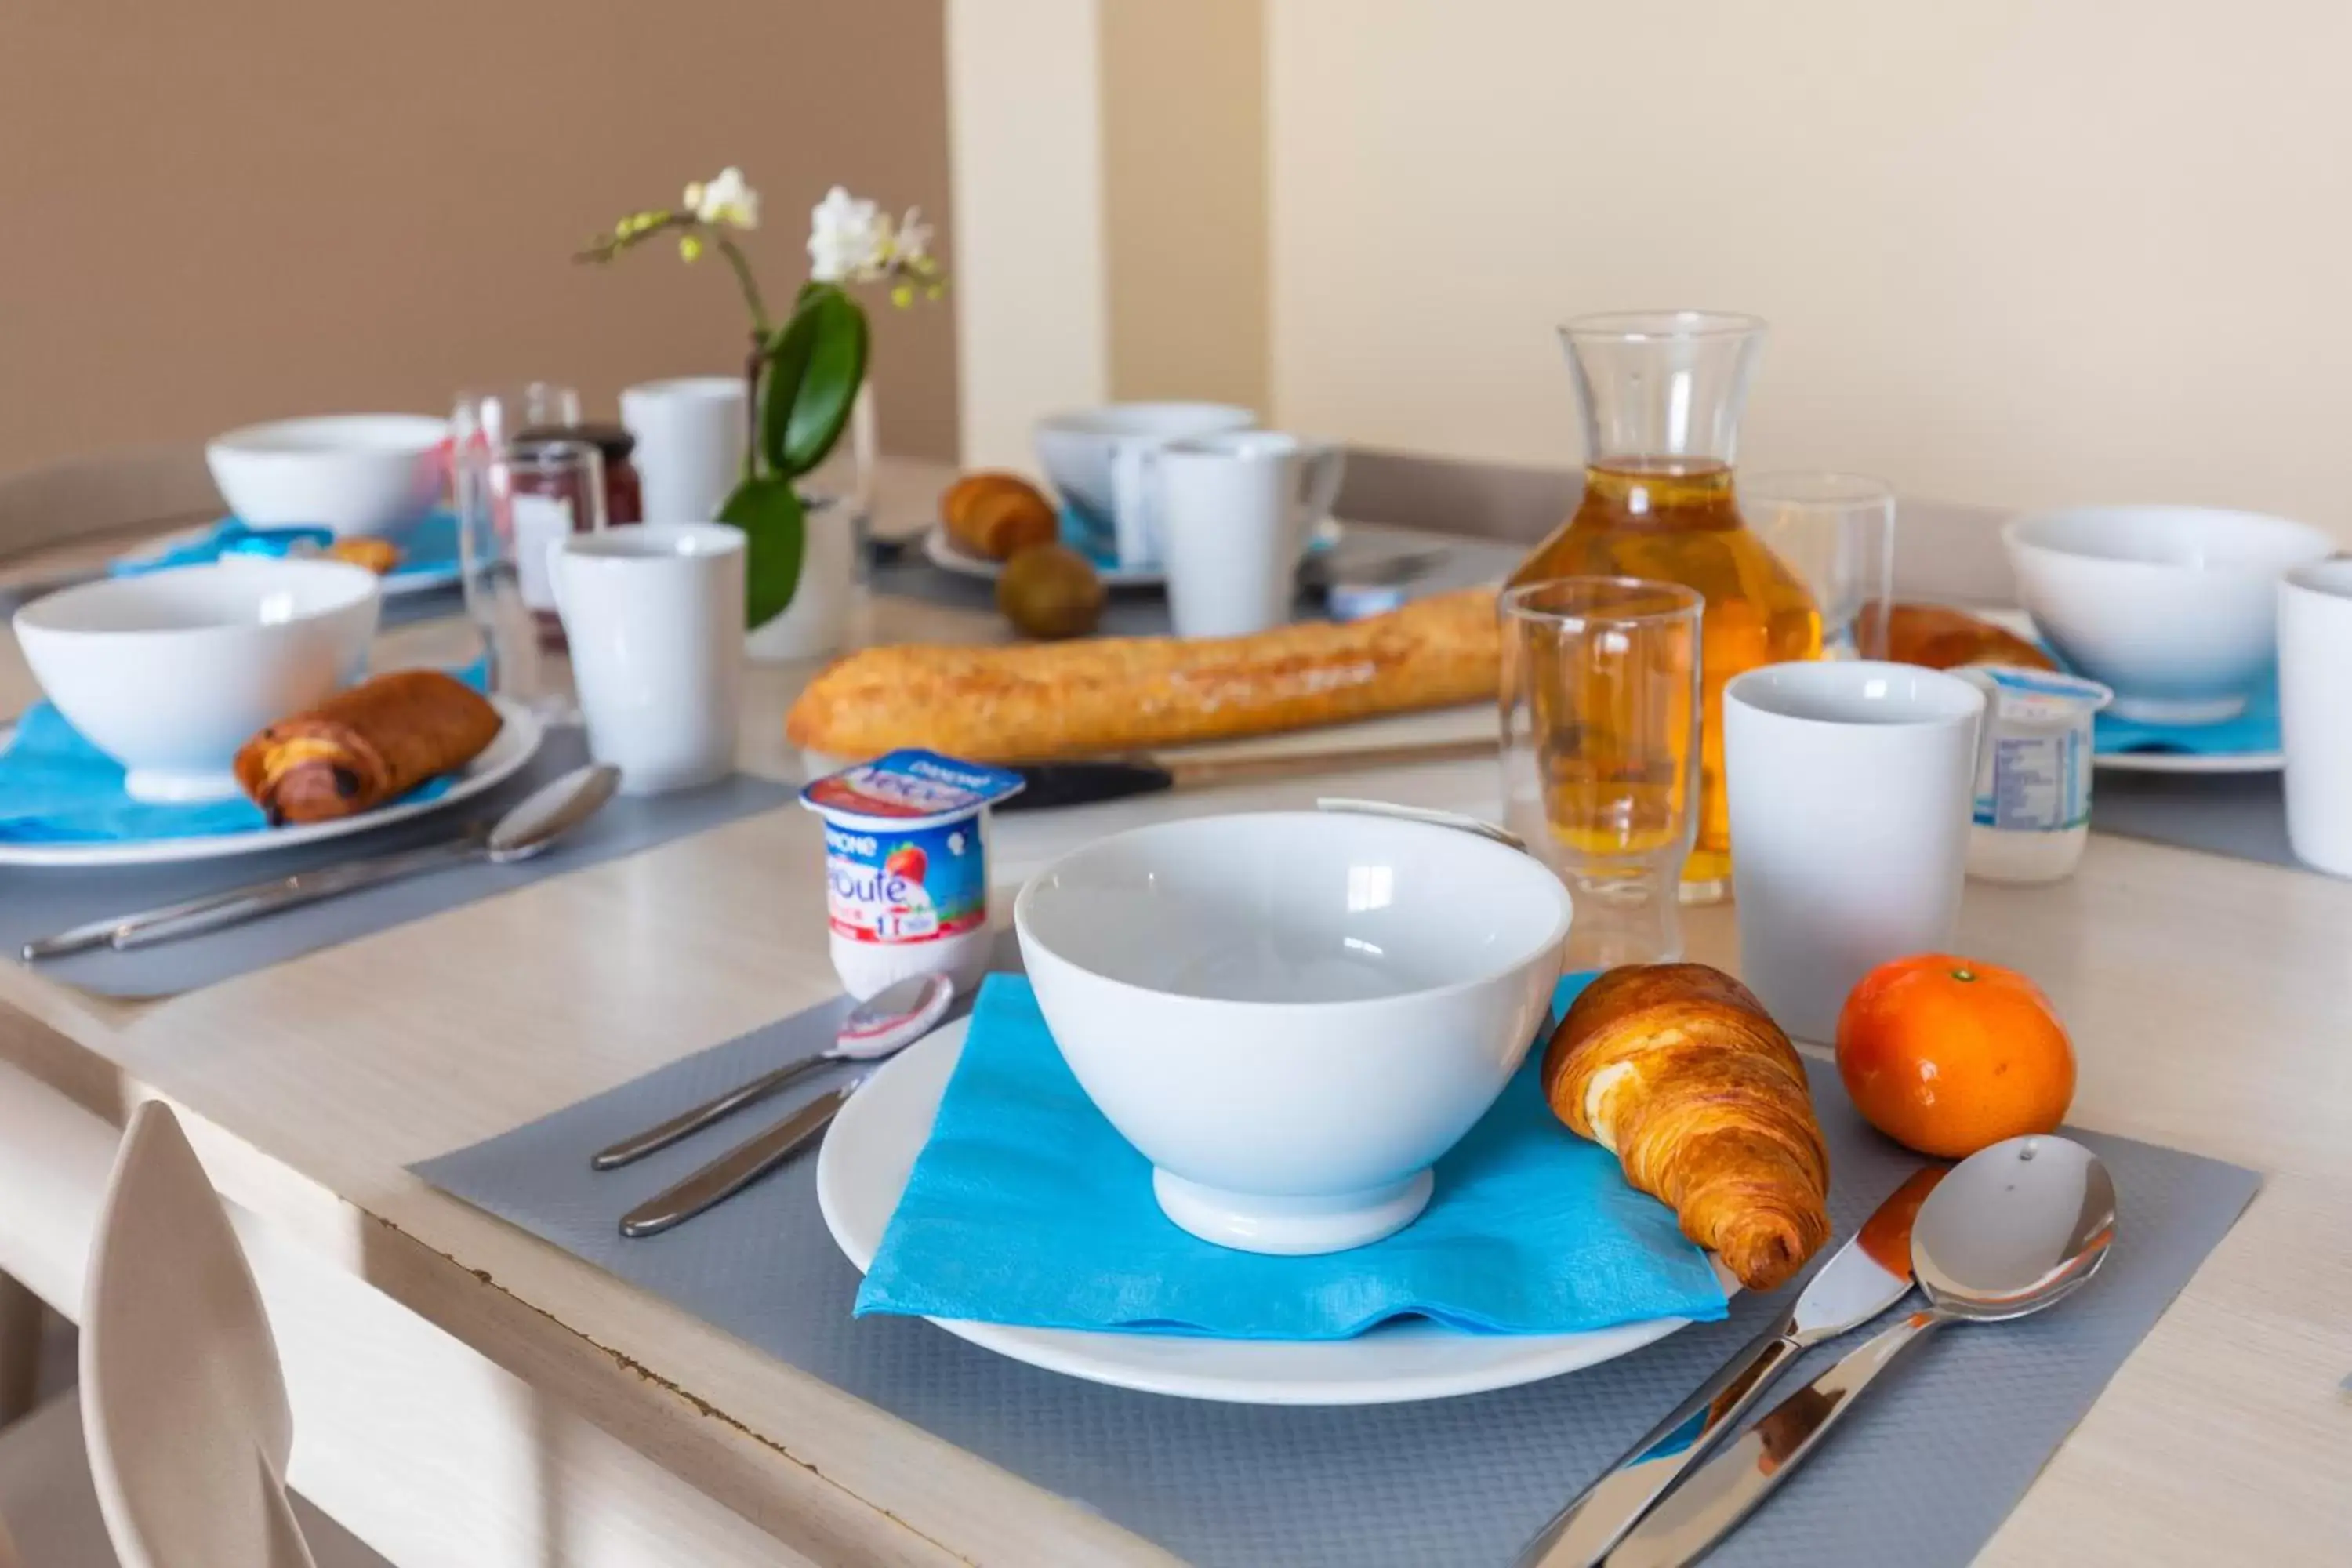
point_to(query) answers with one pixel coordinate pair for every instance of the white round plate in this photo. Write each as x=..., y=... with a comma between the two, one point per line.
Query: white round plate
x=949, y=556
x=863, y=1167
x=517, y=739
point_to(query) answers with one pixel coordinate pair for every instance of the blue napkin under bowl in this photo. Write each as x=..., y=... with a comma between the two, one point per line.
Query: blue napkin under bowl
x=2256, y=729
x=428, y=549
x=57, y=788
x=1026, y=1207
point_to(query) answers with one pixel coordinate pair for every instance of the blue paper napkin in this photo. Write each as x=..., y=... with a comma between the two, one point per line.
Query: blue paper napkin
x=428, y=548
x=1026, y=1207
x=2254, y=729
x=1097, y=539
x=57, y=788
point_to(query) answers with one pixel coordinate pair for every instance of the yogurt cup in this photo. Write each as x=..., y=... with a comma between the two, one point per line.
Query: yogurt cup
x=906, y=863
x=2033, y=773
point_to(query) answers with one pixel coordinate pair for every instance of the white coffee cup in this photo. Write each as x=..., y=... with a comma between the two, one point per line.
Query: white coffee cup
x=1851, y=791
x=2316, y=711
x=654, y=614
x=1094, y=458
x=1235, y=511
x=692, y=436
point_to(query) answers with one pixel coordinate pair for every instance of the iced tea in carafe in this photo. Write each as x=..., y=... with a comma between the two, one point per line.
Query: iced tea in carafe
x=1662, y=394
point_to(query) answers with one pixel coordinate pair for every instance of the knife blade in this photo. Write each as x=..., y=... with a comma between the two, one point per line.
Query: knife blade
x=1049, y=785
x=1869, y=1274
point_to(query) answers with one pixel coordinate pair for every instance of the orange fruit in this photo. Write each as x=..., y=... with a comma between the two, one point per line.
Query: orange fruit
x=1945, y=1054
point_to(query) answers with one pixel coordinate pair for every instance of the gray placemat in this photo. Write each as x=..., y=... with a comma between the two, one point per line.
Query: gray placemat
x=35, y=902
x=1923, y=1477
x=2240, y=815
x=1143, y=612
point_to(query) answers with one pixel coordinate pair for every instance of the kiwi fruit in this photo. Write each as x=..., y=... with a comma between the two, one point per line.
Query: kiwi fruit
x=1050, y=591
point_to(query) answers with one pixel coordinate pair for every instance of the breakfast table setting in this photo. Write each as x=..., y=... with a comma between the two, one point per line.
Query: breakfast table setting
x=762, y=1002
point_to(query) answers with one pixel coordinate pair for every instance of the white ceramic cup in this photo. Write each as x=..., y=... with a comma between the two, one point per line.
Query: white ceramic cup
x=1234, y=513
x=655, y=616
x=2316, y=711
x=1095, y=456
x=691, y=437
x=1851, y=791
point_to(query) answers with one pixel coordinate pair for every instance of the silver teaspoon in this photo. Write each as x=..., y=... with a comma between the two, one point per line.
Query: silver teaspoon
x=528, y=829
x=2013, y=1230
x=885, y=1023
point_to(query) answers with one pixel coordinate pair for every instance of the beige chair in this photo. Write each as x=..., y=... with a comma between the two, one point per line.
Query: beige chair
x=141, y=491
x=182, y=1411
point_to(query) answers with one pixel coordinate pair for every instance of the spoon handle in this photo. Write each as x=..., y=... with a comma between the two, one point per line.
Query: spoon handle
x=688, y=1123
x=1714, y=1498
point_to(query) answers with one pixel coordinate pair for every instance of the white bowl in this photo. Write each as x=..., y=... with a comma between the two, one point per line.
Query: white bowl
x=170, y=672
x=1293, y=1013
x=353, y=473
x=1076, y=449
x=2176, y=607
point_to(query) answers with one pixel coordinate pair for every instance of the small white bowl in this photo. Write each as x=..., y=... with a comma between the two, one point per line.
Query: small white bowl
x=2176, y=607
x=170, y=672
x=353, y=473
x=1293, y=1015
x=1076, y=449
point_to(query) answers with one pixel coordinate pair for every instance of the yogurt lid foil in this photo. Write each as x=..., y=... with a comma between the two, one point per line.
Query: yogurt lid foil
x=2044, y=695
x=909, y=788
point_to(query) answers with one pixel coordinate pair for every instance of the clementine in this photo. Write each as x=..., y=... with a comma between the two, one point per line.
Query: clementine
x=1946, y=1056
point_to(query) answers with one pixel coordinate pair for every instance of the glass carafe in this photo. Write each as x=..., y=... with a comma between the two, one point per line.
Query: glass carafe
x=1662, y=392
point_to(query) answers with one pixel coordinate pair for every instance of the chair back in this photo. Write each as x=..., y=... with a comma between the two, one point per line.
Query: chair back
x=183, y=1403
x=146, y=491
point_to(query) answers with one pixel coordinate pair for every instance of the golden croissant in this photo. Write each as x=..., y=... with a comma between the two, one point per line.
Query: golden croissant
x=1678, y=1070
x=365, y=746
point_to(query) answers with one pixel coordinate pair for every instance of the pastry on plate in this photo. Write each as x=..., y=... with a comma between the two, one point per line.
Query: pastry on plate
x=998, y=515
x=1941, y=639
x=365, y=746
x=1678, y=1070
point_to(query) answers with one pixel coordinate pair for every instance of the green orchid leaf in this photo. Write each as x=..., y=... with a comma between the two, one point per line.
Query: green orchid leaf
x=826, y=390
x=769, y=511
x=788, y=352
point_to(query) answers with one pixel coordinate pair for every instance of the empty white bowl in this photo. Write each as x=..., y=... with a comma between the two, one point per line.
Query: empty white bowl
x=1293, y=1013
x=353, y=473
x=2176, y=607
x=170, y=672
x=1076, y=449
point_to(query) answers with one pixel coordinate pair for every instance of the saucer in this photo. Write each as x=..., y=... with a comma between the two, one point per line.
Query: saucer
x=863, y=1167
x=949, y=556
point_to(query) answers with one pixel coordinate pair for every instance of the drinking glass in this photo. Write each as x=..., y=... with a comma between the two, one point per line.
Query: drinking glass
x=1601, y=710
x=517, y=502
x=1837, y=531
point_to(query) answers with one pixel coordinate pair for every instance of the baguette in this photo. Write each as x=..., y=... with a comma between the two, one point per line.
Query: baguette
x=1034, y=701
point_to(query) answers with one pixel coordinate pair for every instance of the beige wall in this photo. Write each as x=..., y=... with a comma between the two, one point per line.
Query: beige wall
x=245, y=208
x=2013, y=251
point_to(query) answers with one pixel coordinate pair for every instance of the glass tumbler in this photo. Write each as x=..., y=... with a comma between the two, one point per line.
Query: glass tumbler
x=1600, y=708
x=1838, y=531
x=517, y=503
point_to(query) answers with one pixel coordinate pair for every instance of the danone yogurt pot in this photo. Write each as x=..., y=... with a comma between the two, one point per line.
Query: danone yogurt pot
x=2033, y=773
x=906, y=867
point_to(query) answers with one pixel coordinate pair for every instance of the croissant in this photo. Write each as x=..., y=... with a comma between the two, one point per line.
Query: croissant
x=1940, y=638
x=365, y=746
x=1678, y=1070
x=998, y=515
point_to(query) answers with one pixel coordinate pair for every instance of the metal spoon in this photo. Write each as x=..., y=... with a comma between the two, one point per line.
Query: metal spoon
x=528, y=829
x=885, y=1023
x=2015, y=1228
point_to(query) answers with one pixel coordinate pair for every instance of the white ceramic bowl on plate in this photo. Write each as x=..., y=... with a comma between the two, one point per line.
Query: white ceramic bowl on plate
x=2176, y=607
x=1076, y=449
x=353, y=473
x=1293, y=1015
x=170, y=672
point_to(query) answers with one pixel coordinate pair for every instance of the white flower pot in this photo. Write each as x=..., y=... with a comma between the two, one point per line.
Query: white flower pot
x=818, y=622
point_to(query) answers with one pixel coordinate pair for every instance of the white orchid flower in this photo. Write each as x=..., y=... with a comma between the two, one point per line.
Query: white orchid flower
x=727, y=200
x=849, y=238
x=912, y=243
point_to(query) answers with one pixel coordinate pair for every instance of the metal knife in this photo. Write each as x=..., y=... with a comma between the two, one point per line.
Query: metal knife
x=1869, y=1274
x=738, y=1167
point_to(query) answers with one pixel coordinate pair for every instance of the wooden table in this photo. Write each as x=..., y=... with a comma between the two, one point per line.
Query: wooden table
x=465, y=1395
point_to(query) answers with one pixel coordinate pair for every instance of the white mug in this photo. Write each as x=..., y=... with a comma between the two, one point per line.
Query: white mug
x=691, y=437
x=655, y=616
x=1094, y=458
x=1852, y=788
x=2316, y=711
x=1234, y=513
